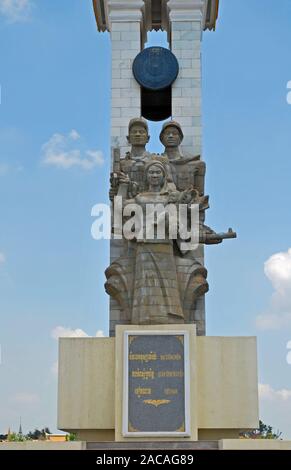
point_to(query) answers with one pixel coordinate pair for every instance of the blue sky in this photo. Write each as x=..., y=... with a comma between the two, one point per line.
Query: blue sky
x=54, y=76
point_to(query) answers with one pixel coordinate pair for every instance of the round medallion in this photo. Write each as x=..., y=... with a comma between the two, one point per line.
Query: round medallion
x=155, y=68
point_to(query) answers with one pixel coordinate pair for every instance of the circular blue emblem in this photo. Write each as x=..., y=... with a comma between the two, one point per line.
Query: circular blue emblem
x=155, y=68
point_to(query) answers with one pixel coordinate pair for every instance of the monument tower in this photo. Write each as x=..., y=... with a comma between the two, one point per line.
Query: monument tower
x=147, y=83
x=157, y=377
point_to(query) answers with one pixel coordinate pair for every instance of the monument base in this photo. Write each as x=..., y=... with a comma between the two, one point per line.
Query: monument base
x=223, y=393
x=223, y=444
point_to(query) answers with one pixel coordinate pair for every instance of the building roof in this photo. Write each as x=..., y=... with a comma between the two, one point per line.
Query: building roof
x=155, y=14
x=211, y=14
x=56, y=437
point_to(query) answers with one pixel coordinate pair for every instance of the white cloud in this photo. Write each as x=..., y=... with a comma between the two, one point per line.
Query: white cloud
x=74, y=135
x=63, y=332
x=55, y=368
x=289, y=94
x=15, y=10
x=67, y=151
x=2, y=258
x=4, y=168
x=273, y=321
x=288, y=357
x=26, y=398
x=278, y=270
x=275, y=408
x=99, y=334
x=266, y=392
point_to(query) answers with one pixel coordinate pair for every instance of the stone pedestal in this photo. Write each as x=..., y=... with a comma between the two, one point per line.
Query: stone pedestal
x=223, y=389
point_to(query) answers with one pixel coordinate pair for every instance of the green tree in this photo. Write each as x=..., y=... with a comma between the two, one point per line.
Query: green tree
x=265, y=431
x=37, y=434
x=15, y=437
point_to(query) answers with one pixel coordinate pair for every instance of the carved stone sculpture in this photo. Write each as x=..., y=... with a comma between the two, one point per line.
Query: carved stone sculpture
x=133, y=165
x=157, y=280
x=187, y=170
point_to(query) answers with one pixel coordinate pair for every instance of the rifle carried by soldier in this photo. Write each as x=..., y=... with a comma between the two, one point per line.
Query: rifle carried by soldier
x=117, y=177
x=114, y=177
x=209, y=237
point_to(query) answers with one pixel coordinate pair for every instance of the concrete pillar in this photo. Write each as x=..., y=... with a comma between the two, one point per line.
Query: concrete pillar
x=186, y=24
x=125, y=23
x=128, y=22
x=125, y=20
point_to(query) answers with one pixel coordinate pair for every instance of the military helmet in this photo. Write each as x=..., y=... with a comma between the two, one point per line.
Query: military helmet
x=140, y=121
x=172, y=124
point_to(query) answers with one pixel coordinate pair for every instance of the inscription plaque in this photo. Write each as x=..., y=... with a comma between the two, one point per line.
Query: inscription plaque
x=156, y=384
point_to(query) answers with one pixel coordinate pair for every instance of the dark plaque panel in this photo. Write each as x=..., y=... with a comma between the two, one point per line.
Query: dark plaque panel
x=156, y=383
x=155, y=68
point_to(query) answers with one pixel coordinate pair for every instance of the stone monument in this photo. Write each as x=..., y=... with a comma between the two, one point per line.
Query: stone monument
x=157, y=377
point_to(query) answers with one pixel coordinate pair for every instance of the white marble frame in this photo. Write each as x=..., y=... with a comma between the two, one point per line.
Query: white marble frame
x=187, y=411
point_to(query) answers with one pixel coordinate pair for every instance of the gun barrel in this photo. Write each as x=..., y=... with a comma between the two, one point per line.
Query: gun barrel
x=116, y=160
x=221, y=236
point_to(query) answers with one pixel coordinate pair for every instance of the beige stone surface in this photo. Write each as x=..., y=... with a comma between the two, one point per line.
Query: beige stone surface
x=227, y=382
x=91, y=435
x=254, y=444
x=43, y=445
x=217, y=434
x=86, y=383
x=119, y=380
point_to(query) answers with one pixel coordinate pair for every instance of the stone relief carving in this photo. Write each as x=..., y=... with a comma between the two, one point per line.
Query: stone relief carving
x=156, y=281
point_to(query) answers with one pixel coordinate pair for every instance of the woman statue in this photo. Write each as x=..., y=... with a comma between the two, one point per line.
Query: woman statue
x=156, y=296
x=146, y=284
